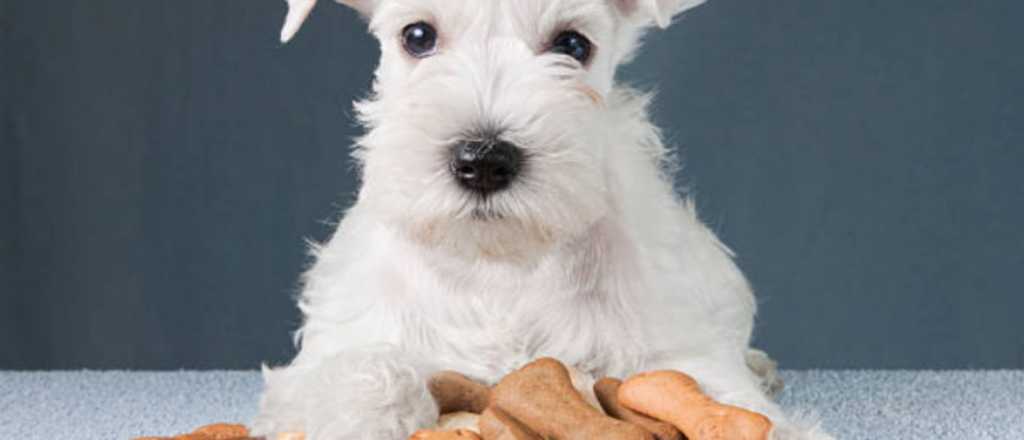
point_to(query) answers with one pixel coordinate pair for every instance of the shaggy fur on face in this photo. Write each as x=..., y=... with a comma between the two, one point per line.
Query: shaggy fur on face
x=589, y=256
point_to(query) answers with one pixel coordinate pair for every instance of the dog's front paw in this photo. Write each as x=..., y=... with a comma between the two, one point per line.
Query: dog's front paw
x=356, y=396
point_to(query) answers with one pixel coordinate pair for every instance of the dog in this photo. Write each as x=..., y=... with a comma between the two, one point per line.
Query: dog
x=515, y=203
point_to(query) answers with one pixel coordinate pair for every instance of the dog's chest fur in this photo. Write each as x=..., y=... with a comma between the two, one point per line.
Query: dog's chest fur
x=496, y=316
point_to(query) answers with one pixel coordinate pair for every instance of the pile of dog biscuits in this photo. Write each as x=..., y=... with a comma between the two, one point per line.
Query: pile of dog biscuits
x=540, y=402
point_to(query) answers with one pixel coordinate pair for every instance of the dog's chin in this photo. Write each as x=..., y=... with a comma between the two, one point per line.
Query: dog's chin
x=485, y=235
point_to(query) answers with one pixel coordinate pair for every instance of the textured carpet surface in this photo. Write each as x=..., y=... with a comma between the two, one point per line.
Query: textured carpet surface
x=902, y=405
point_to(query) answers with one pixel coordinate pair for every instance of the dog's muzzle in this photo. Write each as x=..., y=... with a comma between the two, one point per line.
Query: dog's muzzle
x=486, y=166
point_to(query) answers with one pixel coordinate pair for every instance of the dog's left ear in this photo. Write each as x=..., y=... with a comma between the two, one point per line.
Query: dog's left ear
x=298, y=11
x=658, y=12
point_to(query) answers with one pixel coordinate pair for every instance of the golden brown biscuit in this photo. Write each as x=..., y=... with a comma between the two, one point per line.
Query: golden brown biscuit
x=676, y=398
x=541, y=396
x=607, y=391
x=454, y=392
x=495, y=424
x=222, y=431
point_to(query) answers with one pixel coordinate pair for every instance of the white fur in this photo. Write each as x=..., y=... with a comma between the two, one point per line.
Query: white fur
x=589, y=257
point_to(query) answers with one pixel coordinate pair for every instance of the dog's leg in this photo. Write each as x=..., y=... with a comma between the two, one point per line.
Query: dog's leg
x=373, y=394
x=728, y=379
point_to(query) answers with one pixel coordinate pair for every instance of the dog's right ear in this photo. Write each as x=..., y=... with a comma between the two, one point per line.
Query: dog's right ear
x=298, y=11
x=657, y=12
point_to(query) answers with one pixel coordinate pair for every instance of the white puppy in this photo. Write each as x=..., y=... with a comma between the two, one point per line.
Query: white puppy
x=516, y=203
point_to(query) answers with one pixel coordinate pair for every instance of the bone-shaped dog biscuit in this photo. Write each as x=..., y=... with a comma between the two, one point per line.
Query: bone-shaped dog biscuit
x=542, y=397
x=496, y=424
x=676, y=398
x=455, y=392
x=607, y=391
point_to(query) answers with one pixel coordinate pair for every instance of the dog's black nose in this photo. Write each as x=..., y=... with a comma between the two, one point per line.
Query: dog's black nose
x=486, y=166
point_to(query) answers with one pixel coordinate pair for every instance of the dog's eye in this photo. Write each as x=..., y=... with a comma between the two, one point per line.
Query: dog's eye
x=419, y=39
x=574, y=44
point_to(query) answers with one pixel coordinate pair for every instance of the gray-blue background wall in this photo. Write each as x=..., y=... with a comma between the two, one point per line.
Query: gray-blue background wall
x=162, y=162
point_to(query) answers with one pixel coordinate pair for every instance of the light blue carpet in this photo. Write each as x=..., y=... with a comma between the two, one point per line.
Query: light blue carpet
x=873, y=405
